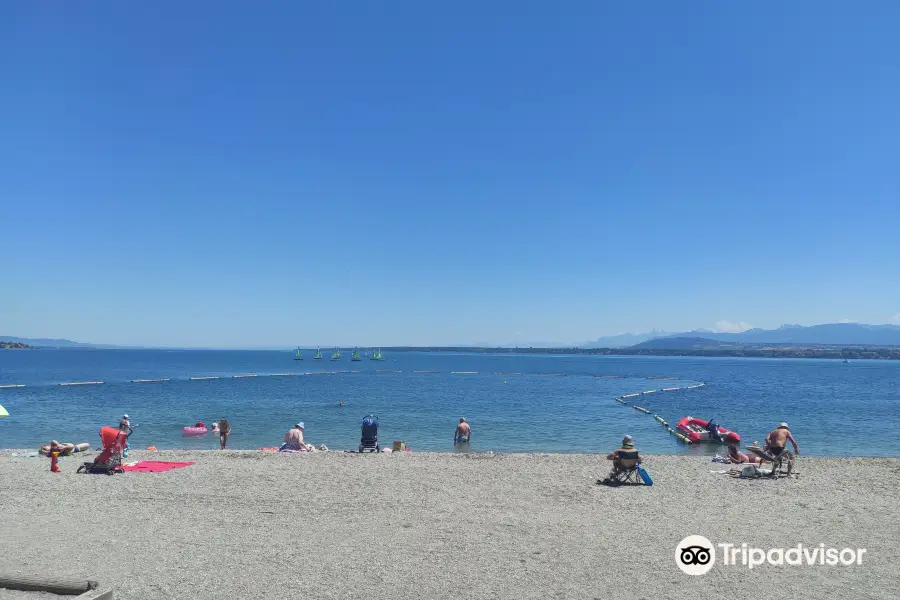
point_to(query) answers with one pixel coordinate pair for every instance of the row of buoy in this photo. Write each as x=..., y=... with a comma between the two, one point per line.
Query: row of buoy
x=678, y=435
x=253, y=375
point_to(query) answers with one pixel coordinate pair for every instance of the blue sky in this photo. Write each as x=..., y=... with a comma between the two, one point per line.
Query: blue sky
x=414, y=172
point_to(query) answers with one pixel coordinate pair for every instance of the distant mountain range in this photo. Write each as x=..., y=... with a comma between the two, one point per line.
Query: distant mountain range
x=834, y=334
x=52, y=343
x=830, y=334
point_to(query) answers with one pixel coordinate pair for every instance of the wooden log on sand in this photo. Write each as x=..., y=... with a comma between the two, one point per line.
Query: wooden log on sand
x=53, y=585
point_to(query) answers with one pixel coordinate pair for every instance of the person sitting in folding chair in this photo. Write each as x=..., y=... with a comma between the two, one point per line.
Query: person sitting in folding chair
x=626, y=461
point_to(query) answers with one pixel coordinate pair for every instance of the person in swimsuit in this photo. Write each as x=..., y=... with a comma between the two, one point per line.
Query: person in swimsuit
x=293, y=439
x=778, y=438
x=738, y=457
x=224, y=431
x=627, y=447
x=463, y=432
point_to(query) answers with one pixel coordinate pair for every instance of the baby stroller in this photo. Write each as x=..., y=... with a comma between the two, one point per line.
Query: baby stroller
x=109, y=461
x=369, y=440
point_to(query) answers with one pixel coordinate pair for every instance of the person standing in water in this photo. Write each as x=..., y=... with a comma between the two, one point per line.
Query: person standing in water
x=224, y=431
x=463, y=432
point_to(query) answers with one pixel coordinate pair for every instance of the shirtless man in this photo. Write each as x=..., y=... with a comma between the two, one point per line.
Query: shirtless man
x=293, y=439
x=627, y=446
x=463, y=432
x=778, y=438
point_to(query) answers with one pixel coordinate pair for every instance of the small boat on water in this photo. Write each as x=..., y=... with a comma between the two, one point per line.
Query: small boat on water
x=318, y=355
x=299, y=355
x=377, y=355
x=698, y=430
x=336, y=355
x=355, y=355
x=846, y=361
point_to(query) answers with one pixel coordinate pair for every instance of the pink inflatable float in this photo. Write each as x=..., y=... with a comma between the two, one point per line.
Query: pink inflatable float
x=198, y=429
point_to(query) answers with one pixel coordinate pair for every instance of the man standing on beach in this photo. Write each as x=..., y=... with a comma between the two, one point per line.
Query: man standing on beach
x=778, y=438
x=224, y=431
x=463, y=432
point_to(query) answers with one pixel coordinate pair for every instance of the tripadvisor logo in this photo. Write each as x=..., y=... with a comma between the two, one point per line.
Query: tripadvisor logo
x=696, y=555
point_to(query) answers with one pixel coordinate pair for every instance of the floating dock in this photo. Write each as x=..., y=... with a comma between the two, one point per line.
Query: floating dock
x=81, y=383
x=148, y=380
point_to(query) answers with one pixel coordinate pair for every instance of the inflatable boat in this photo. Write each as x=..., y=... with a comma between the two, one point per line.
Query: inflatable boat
x=697, y=430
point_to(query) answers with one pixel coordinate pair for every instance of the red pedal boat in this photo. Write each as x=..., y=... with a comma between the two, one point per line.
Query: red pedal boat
x=697, y=430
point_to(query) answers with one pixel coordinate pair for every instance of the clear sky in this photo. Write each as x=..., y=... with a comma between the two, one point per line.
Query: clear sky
x=407, y=172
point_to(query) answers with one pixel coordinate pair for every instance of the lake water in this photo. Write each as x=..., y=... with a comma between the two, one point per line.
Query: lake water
x=833, y=408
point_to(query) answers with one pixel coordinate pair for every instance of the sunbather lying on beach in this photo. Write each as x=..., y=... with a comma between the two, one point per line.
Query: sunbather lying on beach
x=738, y=457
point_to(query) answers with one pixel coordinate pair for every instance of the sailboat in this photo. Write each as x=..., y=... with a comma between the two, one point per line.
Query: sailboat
x=377, y=355
x=336, y=355
x=318, y=355
x=299, y=355
x=355, y=354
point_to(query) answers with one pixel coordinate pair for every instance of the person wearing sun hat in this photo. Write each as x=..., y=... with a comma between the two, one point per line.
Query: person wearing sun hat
x=778, y=438
x=293, y=439
x=627, y=446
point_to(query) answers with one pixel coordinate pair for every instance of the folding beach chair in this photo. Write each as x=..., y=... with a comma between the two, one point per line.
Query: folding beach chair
x=625, y=470
x=783, y=464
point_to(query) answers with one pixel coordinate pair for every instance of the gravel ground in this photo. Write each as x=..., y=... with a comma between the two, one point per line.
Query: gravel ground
x=334, y=525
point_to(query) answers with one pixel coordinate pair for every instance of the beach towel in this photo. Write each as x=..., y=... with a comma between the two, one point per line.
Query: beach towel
x=750, y=472
x=721, y=459
x=155, y=466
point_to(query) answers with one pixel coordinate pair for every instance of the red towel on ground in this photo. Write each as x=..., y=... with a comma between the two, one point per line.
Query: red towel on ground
x=156, y=466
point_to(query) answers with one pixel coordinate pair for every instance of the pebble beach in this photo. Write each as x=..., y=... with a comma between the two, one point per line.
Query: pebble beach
x=419, y=525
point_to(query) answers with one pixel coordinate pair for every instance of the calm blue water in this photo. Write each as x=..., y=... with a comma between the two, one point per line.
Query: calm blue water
x=822, y=400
